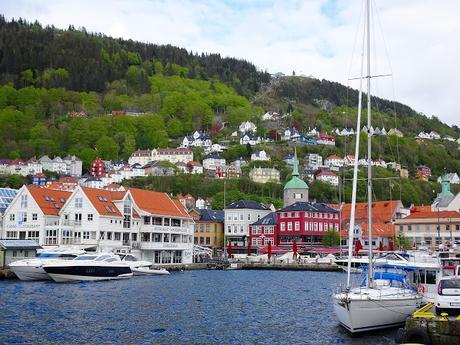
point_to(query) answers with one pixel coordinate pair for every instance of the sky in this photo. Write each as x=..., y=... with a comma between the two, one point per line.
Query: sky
x=414, y=41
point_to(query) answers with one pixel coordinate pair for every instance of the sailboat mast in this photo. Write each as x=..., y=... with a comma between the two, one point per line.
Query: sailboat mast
x=369, y=143
x=351, y=229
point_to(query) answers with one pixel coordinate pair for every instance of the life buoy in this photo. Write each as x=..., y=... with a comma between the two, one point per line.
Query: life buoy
x=421, y=288
x=417, y=335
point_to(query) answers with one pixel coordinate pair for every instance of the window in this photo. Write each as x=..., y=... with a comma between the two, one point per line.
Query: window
x=447, y=227
x=78, y=202
x=241, y=229
x=22, y=217
x=12, y=217
x=77, y=218
x=90, y=217
x=427, y=228
x=229, y=229
x=86, y=235
x=283, y=226
x=117, y=236
x=417, y=228
x=297, y=226
x=208, y=240
x=109, y=236
x=207, y=227
x=166, y=221
x=290, y=226
x=457, y=227
x=146, y=220
x=229, y=217
x=409, y=228
x=34, y=216
x=249, y=216
x=24, y=201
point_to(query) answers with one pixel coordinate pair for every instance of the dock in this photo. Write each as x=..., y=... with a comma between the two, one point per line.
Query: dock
x=325, y=267
x=425, y=327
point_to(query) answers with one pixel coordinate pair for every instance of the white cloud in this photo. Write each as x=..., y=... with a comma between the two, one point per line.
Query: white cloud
x=312, y=37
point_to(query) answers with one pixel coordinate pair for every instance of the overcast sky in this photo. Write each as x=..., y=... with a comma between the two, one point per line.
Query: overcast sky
x=416, y=41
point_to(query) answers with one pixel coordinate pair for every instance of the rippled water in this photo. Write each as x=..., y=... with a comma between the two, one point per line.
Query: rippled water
x=194, y=307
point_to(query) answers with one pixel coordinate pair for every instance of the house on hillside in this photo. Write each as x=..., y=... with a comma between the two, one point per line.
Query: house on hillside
x=247, y=126
x=325, y=139
x=260, y=156
x=334, y=161
x=327, y=176
x=451, y=177
x=251, y=139
x=423, y=172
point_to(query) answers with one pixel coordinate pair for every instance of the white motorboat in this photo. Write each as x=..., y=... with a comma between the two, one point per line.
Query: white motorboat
x=380, y=301
x=89, y=267
x=32, y=269
x=145, y=271
x=133, y=262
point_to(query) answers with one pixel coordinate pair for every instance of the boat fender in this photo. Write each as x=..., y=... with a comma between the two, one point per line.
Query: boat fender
x=416, y=335
x=421, y=288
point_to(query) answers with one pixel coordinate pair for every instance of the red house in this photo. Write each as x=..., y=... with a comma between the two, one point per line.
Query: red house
x=423, y=172
x=97, y=168
x=306, y=223
x=264, y=231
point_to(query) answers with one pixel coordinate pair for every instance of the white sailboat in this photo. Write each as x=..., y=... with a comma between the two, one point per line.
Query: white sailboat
x=378, y=303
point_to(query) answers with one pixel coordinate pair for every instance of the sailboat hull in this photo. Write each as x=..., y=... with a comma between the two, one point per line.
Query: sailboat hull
x=362, y=312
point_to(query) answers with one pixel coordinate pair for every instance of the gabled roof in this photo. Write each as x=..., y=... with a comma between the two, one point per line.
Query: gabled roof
x=433, y=215
x=50, y=201
x=269, y=219
x=254, y=205
x=207, y=215
x=102, y=200
x=308, y=206
x=382, y=211
x=157, y=203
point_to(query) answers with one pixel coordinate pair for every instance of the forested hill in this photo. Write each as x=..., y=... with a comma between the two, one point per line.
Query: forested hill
x=82, y=61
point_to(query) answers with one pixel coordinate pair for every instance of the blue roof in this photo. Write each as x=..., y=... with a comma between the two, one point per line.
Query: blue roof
x=211, y=215
x=247, y=204
x=308, y=206
x=212, y=155
x=269, y=219
x=19, y=244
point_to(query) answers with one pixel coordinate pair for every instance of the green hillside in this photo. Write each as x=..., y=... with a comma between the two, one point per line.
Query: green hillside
x=59, y=89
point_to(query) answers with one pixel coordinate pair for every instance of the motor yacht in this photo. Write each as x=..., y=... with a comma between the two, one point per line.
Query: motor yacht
x=89, y=267
x=133, y=262
x=32, y=269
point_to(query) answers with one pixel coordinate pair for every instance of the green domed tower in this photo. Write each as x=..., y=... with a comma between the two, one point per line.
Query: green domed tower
x=295, y=189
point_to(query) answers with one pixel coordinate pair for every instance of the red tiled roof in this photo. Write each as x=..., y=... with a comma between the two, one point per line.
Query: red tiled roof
x=433, y=215
x=102, y=200
x=157, y=203
x=68, y=179
x=382, y=211
x=333, y=157
x=50, y=201
x=378, y=230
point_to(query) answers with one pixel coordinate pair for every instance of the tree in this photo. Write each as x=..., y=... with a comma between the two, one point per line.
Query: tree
x=107, y=148
x=331, y=238
x=402, y=242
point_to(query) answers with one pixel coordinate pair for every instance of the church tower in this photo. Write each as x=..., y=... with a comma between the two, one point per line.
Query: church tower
x=296, y=189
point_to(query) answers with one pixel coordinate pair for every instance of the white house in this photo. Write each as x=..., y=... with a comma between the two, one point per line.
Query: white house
x=379, y=163
x=314, y=160
x=22, y=168
x=148, y=223
x=238, y=217
x=34, y=215
x=74, y=166
x=260, y=156
x=423, y=135
x=334, y=161
x=213, y=161
x=250, y=139
x=328, y=176
x=197, y=139
x=215, y=148
x=434, y=135
x=349, y=160
x=195, y=167
x=247, y=127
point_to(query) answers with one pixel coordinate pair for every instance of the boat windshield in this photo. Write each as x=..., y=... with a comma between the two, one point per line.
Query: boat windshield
x=450, y=284
x=55, y=255
x=86, y=257
x=104, y=257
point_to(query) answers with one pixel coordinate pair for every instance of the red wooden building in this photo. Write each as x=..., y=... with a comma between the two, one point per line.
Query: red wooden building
x=306, y=223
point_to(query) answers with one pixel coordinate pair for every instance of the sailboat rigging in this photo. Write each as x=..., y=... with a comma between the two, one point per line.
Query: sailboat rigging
x=383, y=299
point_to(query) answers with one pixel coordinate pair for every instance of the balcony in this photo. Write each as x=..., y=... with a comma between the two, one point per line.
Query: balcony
x=164, y=245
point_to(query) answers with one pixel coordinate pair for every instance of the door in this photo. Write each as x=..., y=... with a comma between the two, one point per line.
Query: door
x=22, y=235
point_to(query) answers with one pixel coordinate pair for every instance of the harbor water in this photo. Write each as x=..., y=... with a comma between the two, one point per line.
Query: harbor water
x=191, y=307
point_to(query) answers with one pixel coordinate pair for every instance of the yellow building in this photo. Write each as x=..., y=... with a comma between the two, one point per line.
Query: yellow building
x=431, y=228
x=209, y=229
x=264, y=175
